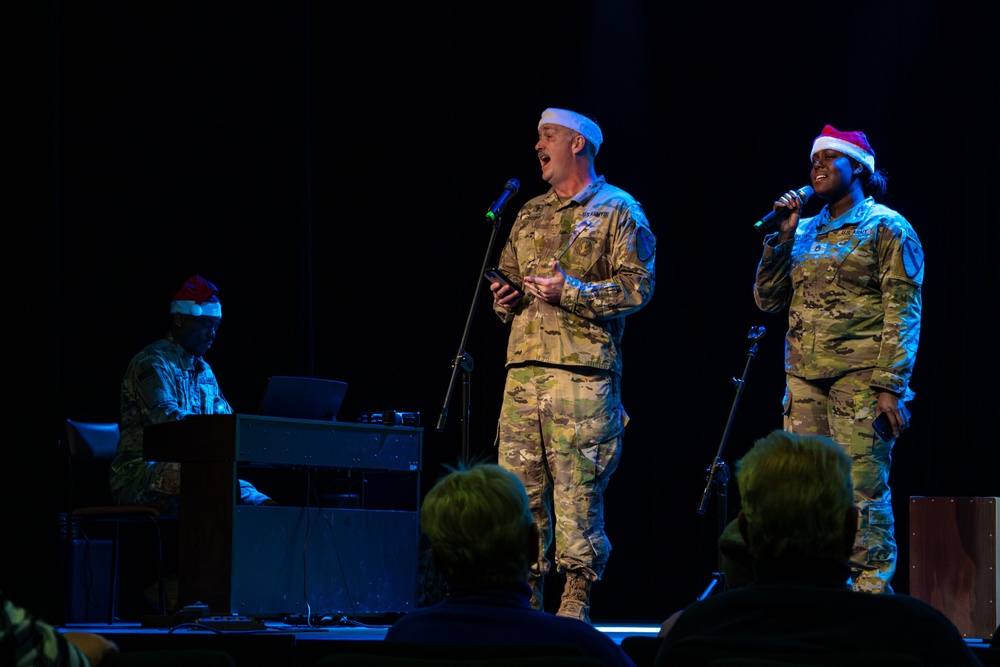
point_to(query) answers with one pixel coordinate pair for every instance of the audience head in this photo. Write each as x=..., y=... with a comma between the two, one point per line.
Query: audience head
x=797, y=498
x=480, y=527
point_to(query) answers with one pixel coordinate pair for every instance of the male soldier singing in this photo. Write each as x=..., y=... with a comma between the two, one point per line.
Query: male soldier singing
x=585, y=256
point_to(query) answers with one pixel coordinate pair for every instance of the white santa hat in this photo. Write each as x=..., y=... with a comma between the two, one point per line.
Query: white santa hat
x=574, y=121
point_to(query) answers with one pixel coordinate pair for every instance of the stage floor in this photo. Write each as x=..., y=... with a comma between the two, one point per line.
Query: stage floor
x=349, y=631
x=282, y=644
x=276, y=643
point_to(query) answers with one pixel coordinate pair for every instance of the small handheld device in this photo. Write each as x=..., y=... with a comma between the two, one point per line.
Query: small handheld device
x=882, y=428
x=495, y=276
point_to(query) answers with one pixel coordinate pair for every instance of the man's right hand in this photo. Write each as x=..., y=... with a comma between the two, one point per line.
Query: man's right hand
x=505, y=295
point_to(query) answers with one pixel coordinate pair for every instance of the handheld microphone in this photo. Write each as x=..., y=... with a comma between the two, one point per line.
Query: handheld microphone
x=509, y=190
x=779, y=214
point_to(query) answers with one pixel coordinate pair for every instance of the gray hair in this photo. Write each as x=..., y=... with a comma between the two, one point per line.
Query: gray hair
x=479, y=525
x=795, y=492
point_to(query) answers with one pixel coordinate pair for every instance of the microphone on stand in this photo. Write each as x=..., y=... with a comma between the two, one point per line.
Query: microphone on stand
x=779, y=214
x=509, y=190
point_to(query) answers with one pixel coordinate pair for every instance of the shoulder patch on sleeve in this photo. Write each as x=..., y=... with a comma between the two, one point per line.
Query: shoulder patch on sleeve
x=645, y=244
x=913, y=257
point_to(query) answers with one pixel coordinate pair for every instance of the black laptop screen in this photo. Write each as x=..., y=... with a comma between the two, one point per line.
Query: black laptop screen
x=294, y=397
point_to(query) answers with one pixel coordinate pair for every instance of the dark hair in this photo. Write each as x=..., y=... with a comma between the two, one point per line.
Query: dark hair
x=875, y=183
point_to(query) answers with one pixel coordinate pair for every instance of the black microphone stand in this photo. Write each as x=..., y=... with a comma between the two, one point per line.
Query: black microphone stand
x=718, y=472
x=462, y=361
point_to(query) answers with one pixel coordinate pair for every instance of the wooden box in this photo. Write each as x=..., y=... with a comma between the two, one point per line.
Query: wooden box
x=954, y=563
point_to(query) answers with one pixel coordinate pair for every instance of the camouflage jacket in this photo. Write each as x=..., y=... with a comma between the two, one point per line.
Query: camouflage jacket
x=163, y=383
x=852, y=288
x=27, y=641
x=604, y=245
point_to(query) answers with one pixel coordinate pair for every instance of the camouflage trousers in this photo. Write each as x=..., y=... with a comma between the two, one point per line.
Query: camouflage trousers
x=843, y=408
x=560, y=433
x=154, y=484
x=159, y=485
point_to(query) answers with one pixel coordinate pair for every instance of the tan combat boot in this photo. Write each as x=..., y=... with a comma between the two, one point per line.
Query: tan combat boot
x=576, y=597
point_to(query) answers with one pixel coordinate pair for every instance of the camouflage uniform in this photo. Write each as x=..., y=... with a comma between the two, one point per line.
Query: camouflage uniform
x=163, y=383
x=26, y=641
x=561, y=421
x=852, y=288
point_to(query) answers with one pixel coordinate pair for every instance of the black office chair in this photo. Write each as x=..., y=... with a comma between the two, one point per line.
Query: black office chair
x=91, y=447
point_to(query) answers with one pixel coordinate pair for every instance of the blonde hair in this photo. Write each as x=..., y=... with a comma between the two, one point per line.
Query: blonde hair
x=479, y=525
x=795, y=492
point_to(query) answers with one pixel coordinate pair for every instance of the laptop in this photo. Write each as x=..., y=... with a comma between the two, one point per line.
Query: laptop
x=292, y=397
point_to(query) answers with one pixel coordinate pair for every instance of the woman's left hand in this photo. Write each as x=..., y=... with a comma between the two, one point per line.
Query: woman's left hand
x=895, y=410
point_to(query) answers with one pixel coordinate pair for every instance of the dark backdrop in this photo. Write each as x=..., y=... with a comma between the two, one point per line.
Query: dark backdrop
x=328, y=166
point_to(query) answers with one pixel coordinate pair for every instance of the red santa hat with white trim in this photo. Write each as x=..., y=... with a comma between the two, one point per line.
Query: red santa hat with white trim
x=851, y=144
x=197, y=297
